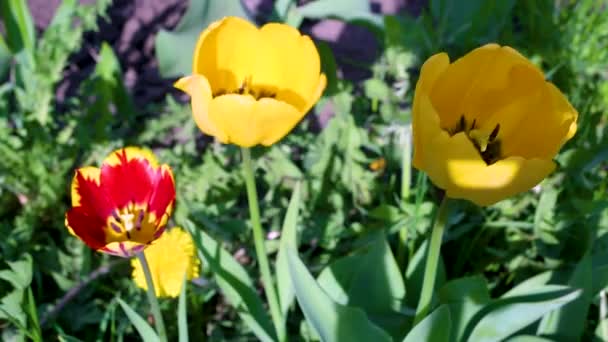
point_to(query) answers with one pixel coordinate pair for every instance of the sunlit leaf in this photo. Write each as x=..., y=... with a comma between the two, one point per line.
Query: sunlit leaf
x=568, y=322
x=515, y=313
x=235, y=283
x=332, y=321
x=289, y=239
x=434, y=327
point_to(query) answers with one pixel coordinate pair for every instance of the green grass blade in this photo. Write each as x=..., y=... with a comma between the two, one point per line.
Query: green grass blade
x=143, y=328
x=182, y=313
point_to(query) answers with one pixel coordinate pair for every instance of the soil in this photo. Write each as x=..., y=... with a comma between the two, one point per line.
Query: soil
x=132, y=25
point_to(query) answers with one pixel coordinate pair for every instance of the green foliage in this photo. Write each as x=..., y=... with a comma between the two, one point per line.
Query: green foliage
x=143, y=328
x=435, y=327
x=332, y=321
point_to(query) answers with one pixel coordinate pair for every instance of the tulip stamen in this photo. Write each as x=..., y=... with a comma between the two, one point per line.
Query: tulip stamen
x=487, y=145
x=140, y=219
x=246, y=88
x=494, y=133
x=127, y=219
x=461, y=126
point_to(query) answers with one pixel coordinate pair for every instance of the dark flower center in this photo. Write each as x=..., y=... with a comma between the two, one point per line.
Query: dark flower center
x=246, y=88
x=488, y=146
x=130, y=221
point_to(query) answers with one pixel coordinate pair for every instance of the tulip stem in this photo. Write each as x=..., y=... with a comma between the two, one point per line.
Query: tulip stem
x=260, y=250
x=158, y=317
x=432, y=260
x=406, y=175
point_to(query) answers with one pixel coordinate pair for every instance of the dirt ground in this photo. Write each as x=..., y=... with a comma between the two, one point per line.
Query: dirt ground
x=133, y=24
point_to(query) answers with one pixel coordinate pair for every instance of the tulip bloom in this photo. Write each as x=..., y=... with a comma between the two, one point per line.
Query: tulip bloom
x=123, y=206
x=251, y=86
x=488, y=125
x=170, y=258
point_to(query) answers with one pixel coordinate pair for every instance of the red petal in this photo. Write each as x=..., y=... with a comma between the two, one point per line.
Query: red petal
x=88, y=227
x=128, y=181
x=90, y=196
x=164, y=192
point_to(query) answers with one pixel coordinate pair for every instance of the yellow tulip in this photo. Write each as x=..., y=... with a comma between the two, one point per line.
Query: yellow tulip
x=251, y=86
x=488, y=125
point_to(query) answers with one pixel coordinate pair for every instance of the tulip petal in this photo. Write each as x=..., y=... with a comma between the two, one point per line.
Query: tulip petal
x=129, y=153
x=88, y=193
x=199, y=90
x=295, y=66
x=88, y=227
x=232, y=114
x=316, y=95
x=544, y=126
x=127, y=176
x=228, y=52
x=469, y=80
x=454, y=164
x=163, y=195
x=431, y=70
x=563, y=109
x=274, y=119
x=248, y=122
x=486, y=185
x=429, y=73
x=124, y=249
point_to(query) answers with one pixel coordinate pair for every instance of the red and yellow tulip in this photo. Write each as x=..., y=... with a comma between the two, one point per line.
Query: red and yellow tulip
x=123, y=206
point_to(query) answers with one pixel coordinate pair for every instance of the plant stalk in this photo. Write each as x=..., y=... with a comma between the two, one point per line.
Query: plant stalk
x=406, y=175
x=158, y=317
x=432, y=260
x=260, y=250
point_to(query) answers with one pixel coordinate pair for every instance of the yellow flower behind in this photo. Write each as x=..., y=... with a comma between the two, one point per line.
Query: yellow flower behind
x=252, y=85
x=488, y=125
x=169, y=258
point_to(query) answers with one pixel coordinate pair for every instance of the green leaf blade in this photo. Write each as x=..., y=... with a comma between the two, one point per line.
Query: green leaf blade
x=182, y=313
x=332, y=321
x=289, y=239
x=143, y=328
x=235, y=284
x=435, y=327
x=515, y=313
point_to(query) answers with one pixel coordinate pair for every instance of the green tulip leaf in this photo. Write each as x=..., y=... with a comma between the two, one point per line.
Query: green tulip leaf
x=332, y=321
x=568, y=322
x=289, y=239
x=235, y=283
x=434, y=327
x=528, y=338
x=347, y=279
x=143, y=328
x=515, y=313
x=465, y=297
